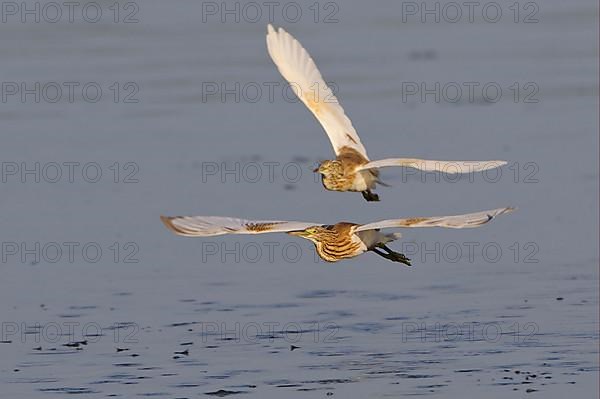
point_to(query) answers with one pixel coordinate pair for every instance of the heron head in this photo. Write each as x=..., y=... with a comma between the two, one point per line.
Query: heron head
x=329, y=167
x=310, y=233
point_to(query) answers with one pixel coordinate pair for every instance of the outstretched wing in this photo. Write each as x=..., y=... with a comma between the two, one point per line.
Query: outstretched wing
x=454, y=222
x=205, y=226
x=451, y=167
x=298, y=68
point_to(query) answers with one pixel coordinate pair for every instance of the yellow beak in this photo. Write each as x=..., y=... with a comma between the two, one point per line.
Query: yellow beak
x=300, y=233
x=317, y=169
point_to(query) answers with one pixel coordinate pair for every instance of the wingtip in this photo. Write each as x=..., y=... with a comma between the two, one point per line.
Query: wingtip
x=502, y=211
x=165, y=219
x=488, y=165
x=168, y=224
x=493, y=165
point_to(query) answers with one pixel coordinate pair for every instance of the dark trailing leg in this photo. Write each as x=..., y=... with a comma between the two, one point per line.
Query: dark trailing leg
x=393, y=256
x=398, y=257
x=370, y=196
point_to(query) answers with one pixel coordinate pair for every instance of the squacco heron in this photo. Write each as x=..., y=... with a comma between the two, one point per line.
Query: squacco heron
x=332, y=242
x=351, y=170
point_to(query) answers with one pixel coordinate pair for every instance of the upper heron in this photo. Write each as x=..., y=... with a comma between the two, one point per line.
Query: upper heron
x=352, y=170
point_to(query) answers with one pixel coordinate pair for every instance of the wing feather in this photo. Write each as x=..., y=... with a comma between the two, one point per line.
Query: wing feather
x=298, y=68
x=454, y=222
x=206, y=226
x=451, y=167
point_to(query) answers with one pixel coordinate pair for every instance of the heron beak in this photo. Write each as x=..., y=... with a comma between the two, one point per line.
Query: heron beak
x=300, y=233
x=316, y=170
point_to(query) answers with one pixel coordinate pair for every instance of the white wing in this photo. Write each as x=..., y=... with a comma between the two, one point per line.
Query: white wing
x=450, y=167
x=454, y=222
x=205, y=226
x=298, y=68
